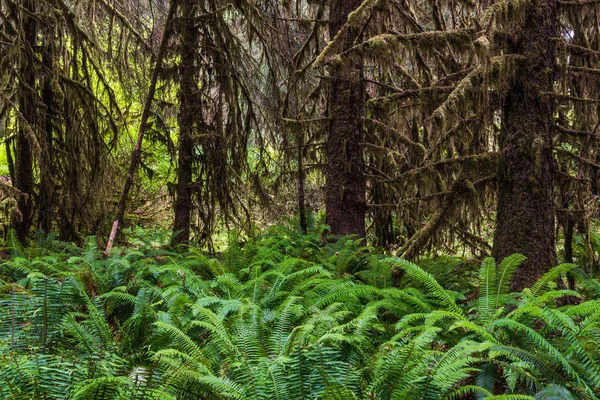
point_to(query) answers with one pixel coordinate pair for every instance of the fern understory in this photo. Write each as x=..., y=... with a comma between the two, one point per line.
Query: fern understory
x=288, y=317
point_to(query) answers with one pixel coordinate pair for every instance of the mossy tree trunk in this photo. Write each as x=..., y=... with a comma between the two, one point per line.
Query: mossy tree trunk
x=46, y=197
x=345, y=200
x=187, y=90
x=27, y=123
x=525, y=213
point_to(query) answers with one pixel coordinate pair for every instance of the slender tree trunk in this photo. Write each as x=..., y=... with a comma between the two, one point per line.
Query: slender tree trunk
x=345, y=199
x=525, y=215
x=136, y=154
x=8, y=149
x=183, y=200
x=23, y=152
x=301, y=184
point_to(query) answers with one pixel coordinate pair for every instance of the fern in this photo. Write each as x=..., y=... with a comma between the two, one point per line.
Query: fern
x=286, y=317
x=431, y=285
x=542, y=284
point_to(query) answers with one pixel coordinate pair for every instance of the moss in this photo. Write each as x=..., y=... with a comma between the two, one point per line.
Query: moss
x=378, y=42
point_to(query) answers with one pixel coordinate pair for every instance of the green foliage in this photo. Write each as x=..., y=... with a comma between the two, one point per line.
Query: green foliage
x=285, y=316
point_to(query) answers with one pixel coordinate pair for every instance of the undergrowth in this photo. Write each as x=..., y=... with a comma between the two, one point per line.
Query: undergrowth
x=286, y=316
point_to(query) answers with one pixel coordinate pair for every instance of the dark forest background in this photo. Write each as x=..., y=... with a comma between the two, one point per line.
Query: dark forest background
x=429, y=126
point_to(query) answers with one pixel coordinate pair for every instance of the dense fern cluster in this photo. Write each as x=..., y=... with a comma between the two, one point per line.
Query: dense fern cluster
x=288, y=317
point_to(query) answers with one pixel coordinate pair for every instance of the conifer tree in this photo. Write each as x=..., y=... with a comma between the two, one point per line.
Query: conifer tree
x=525, y=211
x=476, y=107
x=345, y=190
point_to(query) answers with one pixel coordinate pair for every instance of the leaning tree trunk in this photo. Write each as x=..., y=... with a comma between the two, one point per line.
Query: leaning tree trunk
x=23, y=151
x=525, y=215
x=187, y=86
x=345, y=199
x=136, y=155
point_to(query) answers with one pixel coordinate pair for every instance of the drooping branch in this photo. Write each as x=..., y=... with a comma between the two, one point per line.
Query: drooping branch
x=574, y=3
x=580, y=50
x=583, y=70
x=136, y=154
x=490, y=156
x=577, y=157
x=125, y=21
x=399, y=135
x=460, y=188
x=423, y=40
x=567, y=98
x=575, y=132
x=388, y=100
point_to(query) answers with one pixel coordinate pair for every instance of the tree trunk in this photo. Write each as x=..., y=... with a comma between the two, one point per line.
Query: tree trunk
x=345, y=199
x=183, y=200
x=301, y=183
x=23, y=151
x=46, y=201
x=525, y=215
x=137, y=151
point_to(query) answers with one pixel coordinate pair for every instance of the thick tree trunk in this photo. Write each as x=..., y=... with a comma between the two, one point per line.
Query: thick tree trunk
x=183, y=200
x=23, y=151
x=525, y=215
x=345, y=199
x=46, y=200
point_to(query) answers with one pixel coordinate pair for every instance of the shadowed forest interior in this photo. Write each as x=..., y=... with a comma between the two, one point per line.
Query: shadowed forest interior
x=299, y=199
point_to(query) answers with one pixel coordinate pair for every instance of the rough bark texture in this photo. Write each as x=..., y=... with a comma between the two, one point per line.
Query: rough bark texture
x=525, y=216
x=23, y=151
x=345, y=200
x=46, y=197
x=183, y=200
x=301, y=180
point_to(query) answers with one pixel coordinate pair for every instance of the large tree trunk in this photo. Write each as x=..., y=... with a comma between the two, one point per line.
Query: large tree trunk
x=23, y=152
x=187, y=88
x=345, y=199
x=46, y=197
x=525, y=216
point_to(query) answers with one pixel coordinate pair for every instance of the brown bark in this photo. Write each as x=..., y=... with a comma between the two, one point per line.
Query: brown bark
x=23, y=151
x=187, y=88
x=301, y=183
x=525, y=214
x=136, y=154
x=46, y=201
x=345, y=199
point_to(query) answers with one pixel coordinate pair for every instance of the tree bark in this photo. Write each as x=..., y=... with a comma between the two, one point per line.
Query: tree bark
x=345, y=198
x=301, y=183
x=46, y=200
x=23, y=151
x=187, y=88
x=525, y=214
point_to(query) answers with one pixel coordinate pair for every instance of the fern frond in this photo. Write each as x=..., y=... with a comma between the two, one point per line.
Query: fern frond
x=179, y=340
x=487, y=286
x=541, y=285
x=428, y=281
x=508, y=266
x=479, y=331
x=531, y=336
x=104, y=388
x=466, y=390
